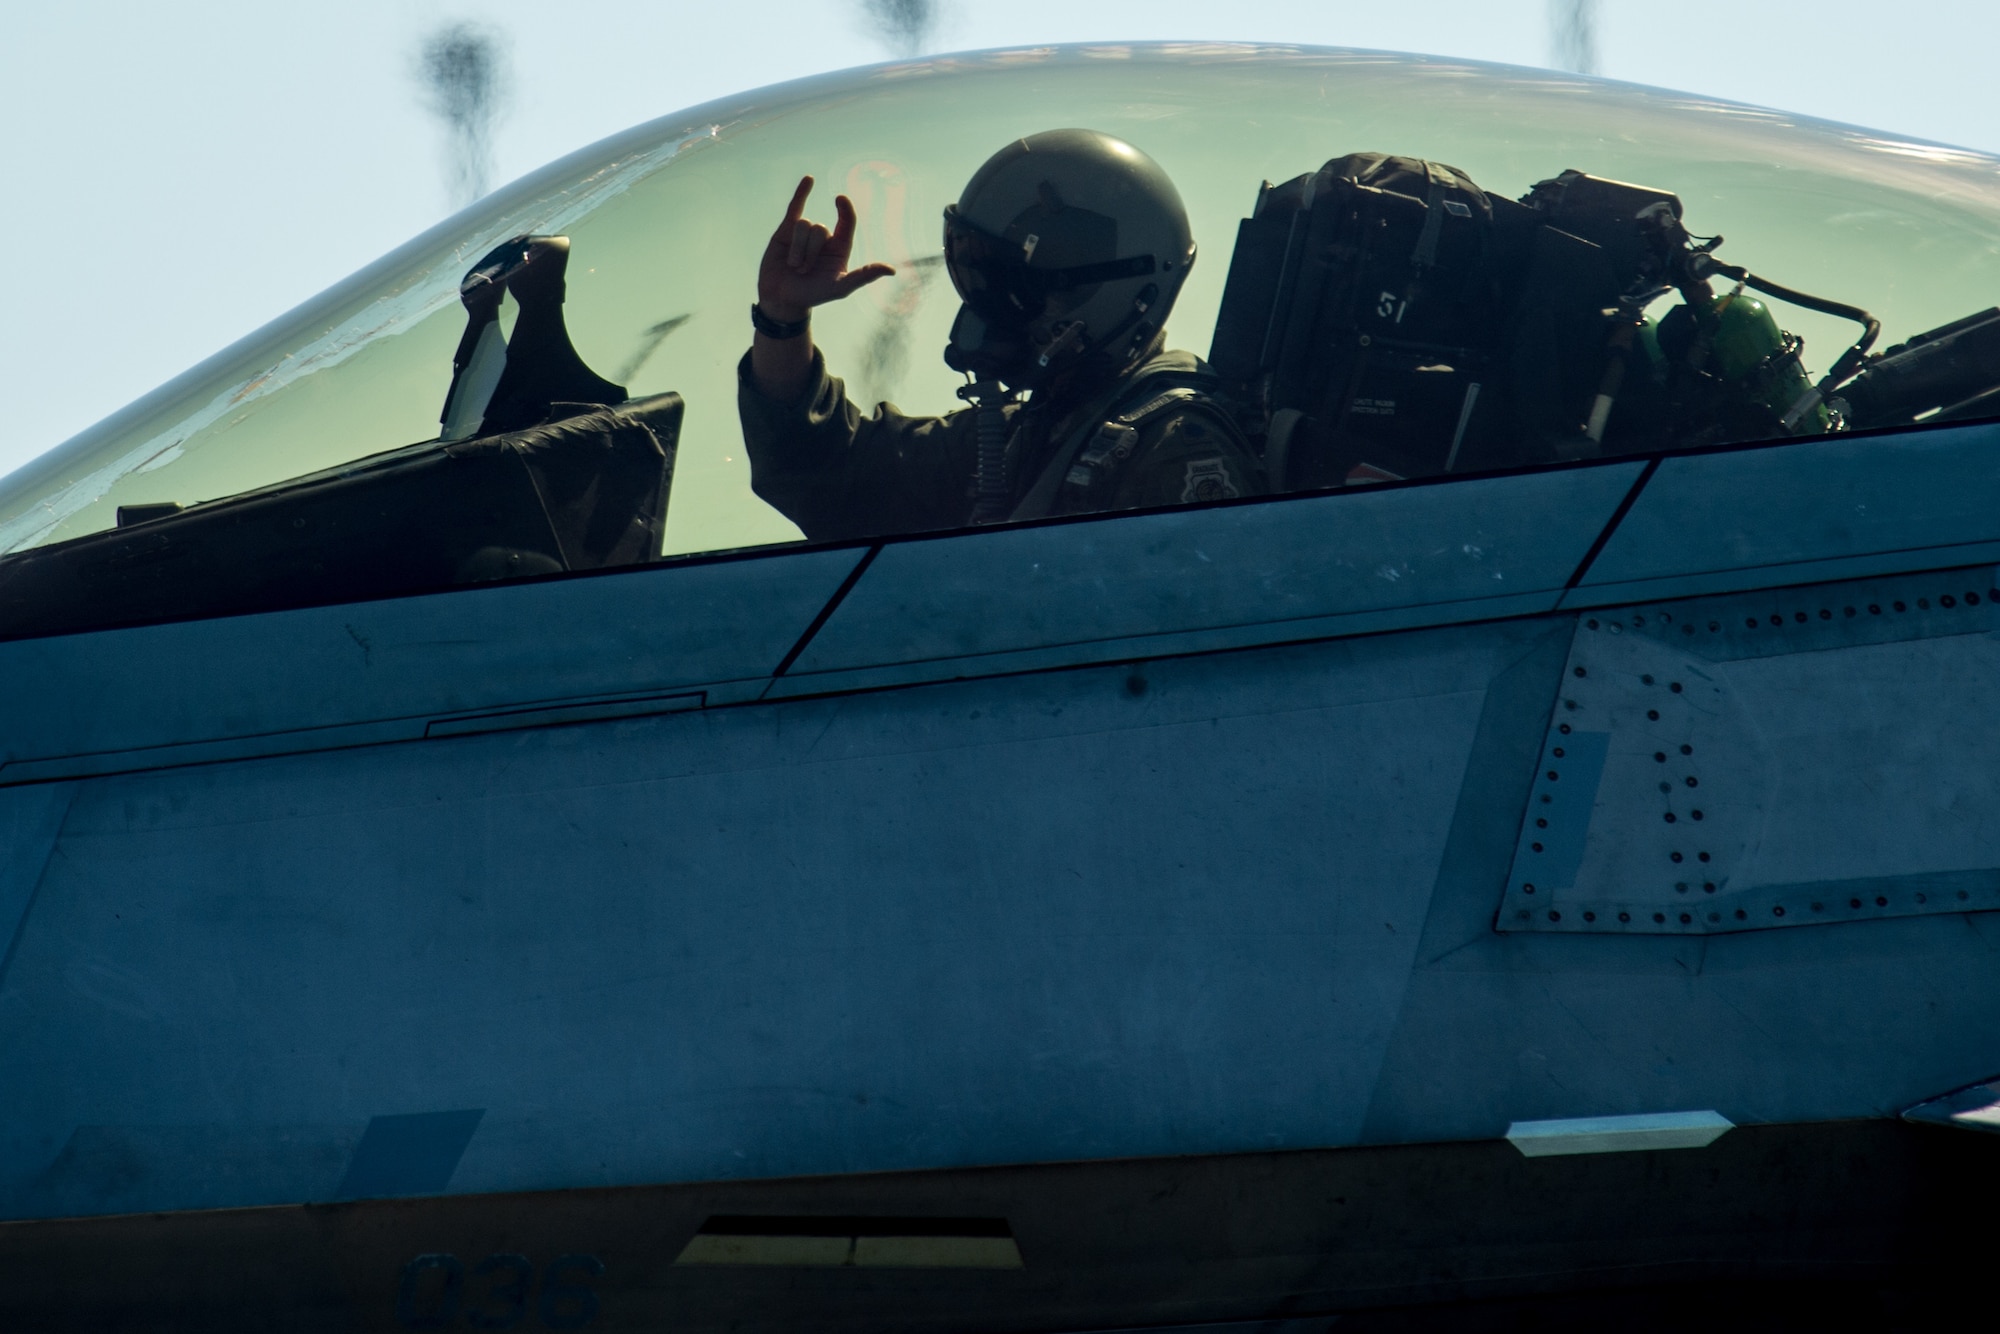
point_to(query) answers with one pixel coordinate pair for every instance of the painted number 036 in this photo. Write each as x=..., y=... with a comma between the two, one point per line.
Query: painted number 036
x=437, y=1292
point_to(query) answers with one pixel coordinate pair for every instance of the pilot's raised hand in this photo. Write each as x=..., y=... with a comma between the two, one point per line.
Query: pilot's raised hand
x=805, y=265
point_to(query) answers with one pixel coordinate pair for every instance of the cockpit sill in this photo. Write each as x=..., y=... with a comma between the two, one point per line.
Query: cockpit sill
x=780, y=550
x=691, y=634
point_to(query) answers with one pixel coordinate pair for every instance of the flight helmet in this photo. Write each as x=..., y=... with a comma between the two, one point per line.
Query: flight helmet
x=1067, y=249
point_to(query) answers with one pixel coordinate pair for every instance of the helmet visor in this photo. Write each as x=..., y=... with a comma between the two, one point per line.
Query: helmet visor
x=996, y=277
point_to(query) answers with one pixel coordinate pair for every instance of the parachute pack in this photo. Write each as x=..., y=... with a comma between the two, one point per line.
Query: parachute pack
x=1384, y=317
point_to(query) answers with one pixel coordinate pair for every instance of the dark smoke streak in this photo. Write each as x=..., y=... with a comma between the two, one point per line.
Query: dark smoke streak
x=886, y=355
x=904, y=26
x=649, y=343
x=1573, y=35
x=463, y=71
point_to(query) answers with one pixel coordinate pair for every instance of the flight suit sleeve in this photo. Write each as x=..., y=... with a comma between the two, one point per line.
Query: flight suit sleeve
x=838, y=474
x=1191, y=455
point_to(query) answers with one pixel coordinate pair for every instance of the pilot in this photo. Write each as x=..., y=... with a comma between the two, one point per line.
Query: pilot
x=1067, y=249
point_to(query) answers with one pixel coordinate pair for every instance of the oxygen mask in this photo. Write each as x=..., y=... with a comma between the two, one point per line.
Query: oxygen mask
x=990, y=351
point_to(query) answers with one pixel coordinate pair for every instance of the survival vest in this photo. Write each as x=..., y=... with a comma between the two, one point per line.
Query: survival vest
x=1082, y=468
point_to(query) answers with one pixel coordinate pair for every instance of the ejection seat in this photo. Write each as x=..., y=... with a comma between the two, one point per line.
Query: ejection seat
x=542, y=466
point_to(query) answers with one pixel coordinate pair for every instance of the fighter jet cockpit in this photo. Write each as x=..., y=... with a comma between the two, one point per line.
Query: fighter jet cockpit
x=1406, y=272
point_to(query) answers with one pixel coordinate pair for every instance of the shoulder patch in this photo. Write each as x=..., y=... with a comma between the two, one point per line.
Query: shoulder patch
x=1208, y=479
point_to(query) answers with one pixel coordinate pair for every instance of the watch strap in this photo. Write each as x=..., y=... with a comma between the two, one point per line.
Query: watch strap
x=771, y=328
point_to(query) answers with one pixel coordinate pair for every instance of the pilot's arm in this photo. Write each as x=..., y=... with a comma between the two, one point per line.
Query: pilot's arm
x=813, y=456
x=804, y=265
x=837, y=474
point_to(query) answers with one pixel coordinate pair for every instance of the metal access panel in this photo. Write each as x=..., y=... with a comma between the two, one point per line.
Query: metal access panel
x=1792, y=757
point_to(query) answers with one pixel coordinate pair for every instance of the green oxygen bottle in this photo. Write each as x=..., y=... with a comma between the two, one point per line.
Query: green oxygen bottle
x=1751, y=354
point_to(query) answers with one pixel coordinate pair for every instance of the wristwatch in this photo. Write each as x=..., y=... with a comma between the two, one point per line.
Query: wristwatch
x=771, y=328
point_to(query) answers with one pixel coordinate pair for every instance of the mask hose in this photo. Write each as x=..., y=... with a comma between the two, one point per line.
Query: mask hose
x=993, y=490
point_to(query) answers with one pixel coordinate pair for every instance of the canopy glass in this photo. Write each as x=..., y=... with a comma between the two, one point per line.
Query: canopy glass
x=667, y=222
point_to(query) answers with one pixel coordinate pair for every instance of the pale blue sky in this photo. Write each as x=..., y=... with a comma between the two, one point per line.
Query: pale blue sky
x=177, y=175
